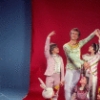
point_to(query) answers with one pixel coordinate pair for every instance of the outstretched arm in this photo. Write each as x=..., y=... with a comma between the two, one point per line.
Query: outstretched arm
x=98, y=35
x=84, y=41
x=99, y=47
x=47, y=44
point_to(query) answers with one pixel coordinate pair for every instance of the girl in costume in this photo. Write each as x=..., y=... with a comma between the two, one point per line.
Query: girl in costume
x=55, y=66
x=81, y=92
x=93, y=59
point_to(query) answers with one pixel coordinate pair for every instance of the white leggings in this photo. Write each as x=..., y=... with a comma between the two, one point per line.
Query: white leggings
x=93, y=86
x=71, y=79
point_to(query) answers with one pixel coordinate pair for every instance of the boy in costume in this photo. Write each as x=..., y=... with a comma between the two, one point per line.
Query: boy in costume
x=55, y=66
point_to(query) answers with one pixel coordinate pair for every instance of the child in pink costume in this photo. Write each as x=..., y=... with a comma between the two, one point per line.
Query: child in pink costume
x=55, y=66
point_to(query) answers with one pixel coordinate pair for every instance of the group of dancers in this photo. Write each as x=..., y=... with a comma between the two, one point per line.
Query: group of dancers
x=80, y=78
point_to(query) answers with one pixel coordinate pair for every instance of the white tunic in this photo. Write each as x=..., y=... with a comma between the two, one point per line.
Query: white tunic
x=57, y=60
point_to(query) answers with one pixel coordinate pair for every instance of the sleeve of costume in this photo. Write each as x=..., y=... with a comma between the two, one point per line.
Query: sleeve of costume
x=84, y=41
x=73, y=58
x=84, y=57
x=62, y=70
x=47, y=47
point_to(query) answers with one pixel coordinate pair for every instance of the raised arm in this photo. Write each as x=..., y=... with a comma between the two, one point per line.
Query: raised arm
x=99, y=47
x=47, y=44
x=84, y=41
x=98, y=35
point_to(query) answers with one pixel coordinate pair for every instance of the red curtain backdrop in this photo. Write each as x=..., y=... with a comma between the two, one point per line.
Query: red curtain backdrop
x=60, y=16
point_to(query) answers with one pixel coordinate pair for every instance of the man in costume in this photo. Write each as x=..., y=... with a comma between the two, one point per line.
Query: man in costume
x=74, y=63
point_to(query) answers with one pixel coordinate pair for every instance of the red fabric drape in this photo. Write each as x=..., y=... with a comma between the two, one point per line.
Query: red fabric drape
x=61, y=16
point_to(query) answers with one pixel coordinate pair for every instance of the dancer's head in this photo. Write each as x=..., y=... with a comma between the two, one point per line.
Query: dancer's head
x=75, y=34
x=93, y=48
x=54, y=48
x=84, y=80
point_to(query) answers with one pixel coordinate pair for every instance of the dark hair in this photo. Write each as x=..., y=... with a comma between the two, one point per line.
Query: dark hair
x=95, y=47
x=52, y=46
x=83, y=72
x=77, y=30
x=87, y=84
x=87, y=78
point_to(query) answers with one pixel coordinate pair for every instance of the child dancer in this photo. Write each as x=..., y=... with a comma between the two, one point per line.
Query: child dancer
x=81, y=92
x=55, y=66
x=93, y=59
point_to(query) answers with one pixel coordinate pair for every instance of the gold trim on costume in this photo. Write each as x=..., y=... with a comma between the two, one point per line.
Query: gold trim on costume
x=94, y=64
x=74, y=46
x=94, y=72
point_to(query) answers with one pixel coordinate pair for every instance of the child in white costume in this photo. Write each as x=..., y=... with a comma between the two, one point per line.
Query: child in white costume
x=93, y=60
